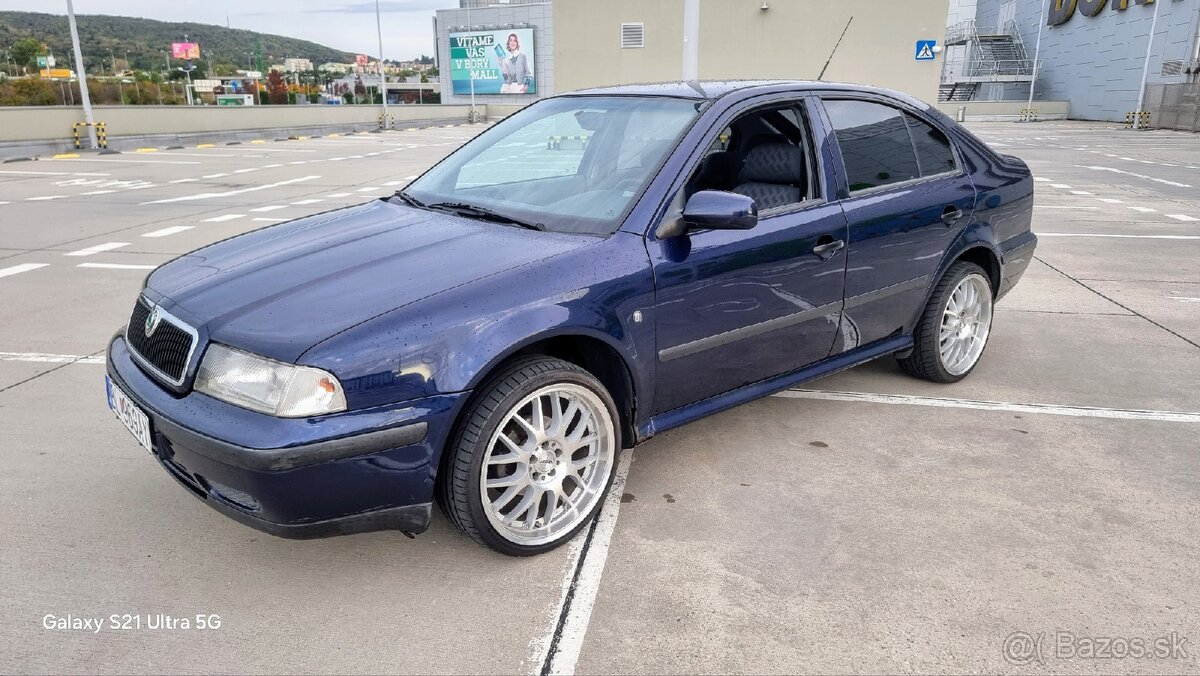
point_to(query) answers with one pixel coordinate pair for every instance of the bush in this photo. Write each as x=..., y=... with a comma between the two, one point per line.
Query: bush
x=348, y=97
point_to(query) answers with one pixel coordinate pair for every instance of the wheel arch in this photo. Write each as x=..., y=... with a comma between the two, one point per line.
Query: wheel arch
x=984, y=257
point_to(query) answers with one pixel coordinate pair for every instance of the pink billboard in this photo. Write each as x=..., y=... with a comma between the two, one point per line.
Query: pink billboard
x=185, y=50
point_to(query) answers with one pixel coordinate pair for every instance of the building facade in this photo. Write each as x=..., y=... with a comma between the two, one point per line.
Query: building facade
x=1093, y=53
x=584, y=43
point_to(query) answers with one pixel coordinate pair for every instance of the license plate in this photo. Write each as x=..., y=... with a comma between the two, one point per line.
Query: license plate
x=128, y=413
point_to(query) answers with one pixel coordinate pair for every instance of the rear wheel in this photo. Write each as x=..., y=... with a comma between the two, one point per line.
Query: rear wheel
x=953, y=331
x=533, y=458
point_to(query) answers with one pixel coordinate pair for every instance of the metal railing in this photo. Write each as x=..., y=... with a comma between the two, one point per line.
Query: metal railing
x=961, y=32
x=990, y=69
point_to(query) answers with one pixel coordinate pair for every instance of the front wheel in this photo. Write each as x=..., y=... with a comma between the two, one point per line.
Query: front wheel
x=950, y=336
x=531, y=462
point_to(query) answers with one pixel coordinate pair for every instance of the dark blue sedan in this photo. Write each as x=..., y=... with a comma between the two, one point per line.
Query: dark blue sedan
x=593, y=270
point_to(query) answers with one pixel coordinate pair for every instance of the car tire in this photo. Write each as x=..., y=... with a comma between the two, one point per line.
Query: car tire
x=952, y=332
x=532, y=490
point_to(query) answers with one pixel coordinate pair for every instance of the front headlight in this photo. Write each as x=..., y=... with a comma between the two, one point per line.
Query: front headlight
x=268, y=386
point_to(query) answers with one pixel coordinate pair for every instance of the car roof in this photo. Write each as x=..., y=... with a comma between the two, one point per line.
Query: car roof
x=715, y=89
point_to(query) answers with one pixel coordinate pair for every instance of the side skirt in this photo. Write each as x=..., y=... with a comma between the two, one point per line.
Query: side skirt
x=705, y=407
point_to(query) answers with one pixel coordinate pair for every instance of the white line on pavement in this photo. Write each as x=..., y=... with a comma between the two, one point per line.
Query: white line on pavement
x=222, y=218
x=228, y=193
x=98, y=192
x=273, y=207
x=1145, y=210
x=410, y=178
x=391, y=183
x=218, y=175
x=245, y=171
x=99, y=248
x=184, y=180
x=307, y=201
x=1059, y=185
x=979, y=405
x=369, y=188
x=44, y=198
x=1089, y=234
x=269, y=220
x=272, y=166
x=43, y=358
x=18, y=269
x=168, y=231
x=131, y=160
x=116, y=266
x=580, y=589
x=1047, y=206
x=1110, y=200
x=1183, y=217
x=1080, y=192
x=1185, y=299
x=54, y=173
x=1130, y=173
x=340, y=194
x=1040, y=179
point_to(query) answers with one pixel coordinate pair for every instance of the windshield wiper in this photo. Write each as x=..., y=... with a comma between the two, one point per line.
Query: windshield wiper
x=410, y=200
x=473, y=211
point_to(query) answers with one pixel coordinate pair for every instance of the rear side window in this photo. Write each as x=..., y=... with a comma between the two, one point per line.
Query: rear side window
x=933, y=148
x=875, y=144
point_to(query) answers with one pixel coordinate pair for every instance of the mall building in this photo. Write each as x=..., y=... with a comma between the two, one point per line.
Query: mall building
x=1093, y=54
x=519, y=50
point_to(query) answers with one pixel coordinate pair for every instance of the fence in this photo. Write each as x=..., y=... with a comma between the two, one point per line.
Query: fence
x=1174, y=106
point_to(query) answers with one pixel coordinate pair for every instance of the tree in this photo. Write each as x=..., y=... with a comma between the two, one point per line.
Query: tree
x=360, y=91
x=276, y=88
x=24, y=50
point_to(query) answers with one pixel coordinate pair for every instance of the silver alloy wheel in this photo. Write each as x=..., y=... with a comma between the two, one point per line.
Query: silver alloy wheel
x=966, y=322
x=547, y=464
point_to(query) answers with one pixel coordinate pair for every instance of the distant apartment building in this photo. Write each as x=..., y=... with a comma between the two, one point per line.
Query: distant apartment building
x=297, y=65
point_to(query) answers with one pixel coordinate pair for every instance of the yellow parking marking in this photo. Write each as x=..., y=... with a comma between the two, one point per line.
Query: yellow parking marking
x=258, y=140
x=206, y=145
x=66, y=156
x=333, y=135
x=147, y=150
x=301, y=138
x=411, y=129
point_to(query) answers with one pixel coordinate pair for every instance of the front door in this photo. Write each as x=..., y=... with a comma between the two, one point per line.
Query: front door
x=735, y=307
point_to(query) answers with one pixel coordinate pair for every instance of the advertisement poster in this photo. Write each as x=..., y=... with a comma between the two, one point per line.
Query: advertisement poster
x=498, y=62
x=185, y=50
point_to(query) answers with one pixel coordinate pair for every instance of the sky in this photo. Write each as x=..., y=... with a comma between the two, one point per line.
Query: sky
x=346, y=25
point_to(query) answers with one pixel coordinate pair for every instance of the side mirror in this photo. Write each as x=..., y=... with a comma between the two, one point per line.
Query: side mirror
x=713, y=210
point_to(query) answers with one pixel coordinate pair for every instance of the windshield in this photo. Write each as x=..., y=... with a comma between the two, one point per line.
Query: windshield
x=570, y=164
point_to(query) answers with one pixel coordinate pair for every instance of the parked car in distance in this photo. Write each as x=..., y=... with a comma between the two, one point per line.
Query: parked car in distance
x=592, y=270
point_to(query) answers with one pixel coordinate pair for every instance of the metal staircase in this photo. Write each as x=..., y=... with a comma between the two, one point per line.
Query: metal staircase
x=989, y=57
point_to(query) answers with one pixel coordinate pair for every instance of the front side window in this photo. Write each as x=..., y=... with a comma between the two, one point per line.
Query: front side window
x=570, y=164
x=876, y=147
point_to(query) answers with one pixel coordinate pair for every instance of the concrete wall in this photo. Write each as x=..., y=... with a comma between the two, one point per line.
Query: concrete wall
x=54, y=122
x=540, y=16
x=791, y=39
x=1096, y=62
x=985, y=111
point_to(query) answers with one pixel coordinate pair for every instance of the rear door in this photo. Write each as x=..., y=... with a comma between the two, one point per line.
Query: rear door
x=906, y=198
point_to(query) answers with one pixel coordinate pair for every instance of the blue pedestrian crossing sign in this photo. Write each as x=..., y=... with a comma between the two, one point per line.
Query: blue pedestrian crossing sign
x=925, y=50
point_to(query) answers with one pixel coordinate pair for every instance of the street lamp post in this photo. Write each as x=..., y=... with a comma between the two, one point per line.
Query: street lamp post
x=83, y=88
x=382, y=77
x=1137, y=118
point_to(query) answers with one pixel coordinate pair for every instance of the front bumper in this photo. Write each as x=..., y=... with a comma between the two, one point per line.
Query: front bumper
x=297, y=478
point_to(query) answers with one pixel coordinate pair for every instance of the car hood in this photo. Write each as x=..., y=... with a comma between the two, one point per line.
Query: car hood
x=280, y=290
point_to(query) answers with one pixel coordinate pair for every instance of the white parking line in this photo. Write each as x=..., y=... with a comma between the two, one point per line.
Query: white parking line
x=273, y=207
x=369, y=188
x=53, y=173
x=557, y=652
x=1047, y=206
x=116, y=266
x=43, y=358
x=340, y=194
x=219, y=175
x=18, y=269
x=1039, y=179
x=229, y=193
x=272, y=166
x=1080, y=192
x=307, y=201
x=262, y=219
x=245, y=171
x=1130, y=173
x=1092, y=234
x=98, y=192
x=45, y=198
x=222, y=218
x=168, y=231
x=1110, y=200
x=1183, y=217
x=99, y=248
x=1145, y=210
x=980, y=405
x=1059, y=185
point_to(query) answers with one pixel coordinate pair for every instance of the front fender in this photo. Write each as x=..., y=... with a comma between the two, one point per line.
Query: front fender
x=450, y=342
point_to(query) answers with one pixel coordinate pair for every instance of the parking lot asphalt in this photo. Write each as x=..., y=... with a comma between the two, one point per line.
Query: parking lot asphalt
x=865, y=522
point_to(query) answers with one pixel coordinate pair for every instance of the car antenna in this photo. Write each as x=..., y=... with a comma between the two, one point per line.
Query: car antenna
x=835, y=48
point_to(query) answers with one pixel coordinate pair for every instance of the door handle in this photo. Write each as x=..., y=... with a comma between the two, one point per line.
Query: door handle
x=950, y=215
x=828, y=247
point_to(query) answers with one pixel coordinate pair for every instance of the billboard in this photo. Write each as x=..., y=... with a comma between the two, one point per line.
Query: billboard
x=360, y=59
x=498, y=62
x=185, y=50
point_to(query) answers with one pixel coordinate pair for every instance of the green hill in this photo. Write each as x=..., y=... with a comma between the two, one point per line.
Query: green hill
x=146, y=40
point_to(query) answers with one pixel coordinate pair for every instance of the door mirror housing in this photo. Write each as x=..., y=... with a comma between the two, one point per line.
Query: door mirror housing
x=713, y=210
